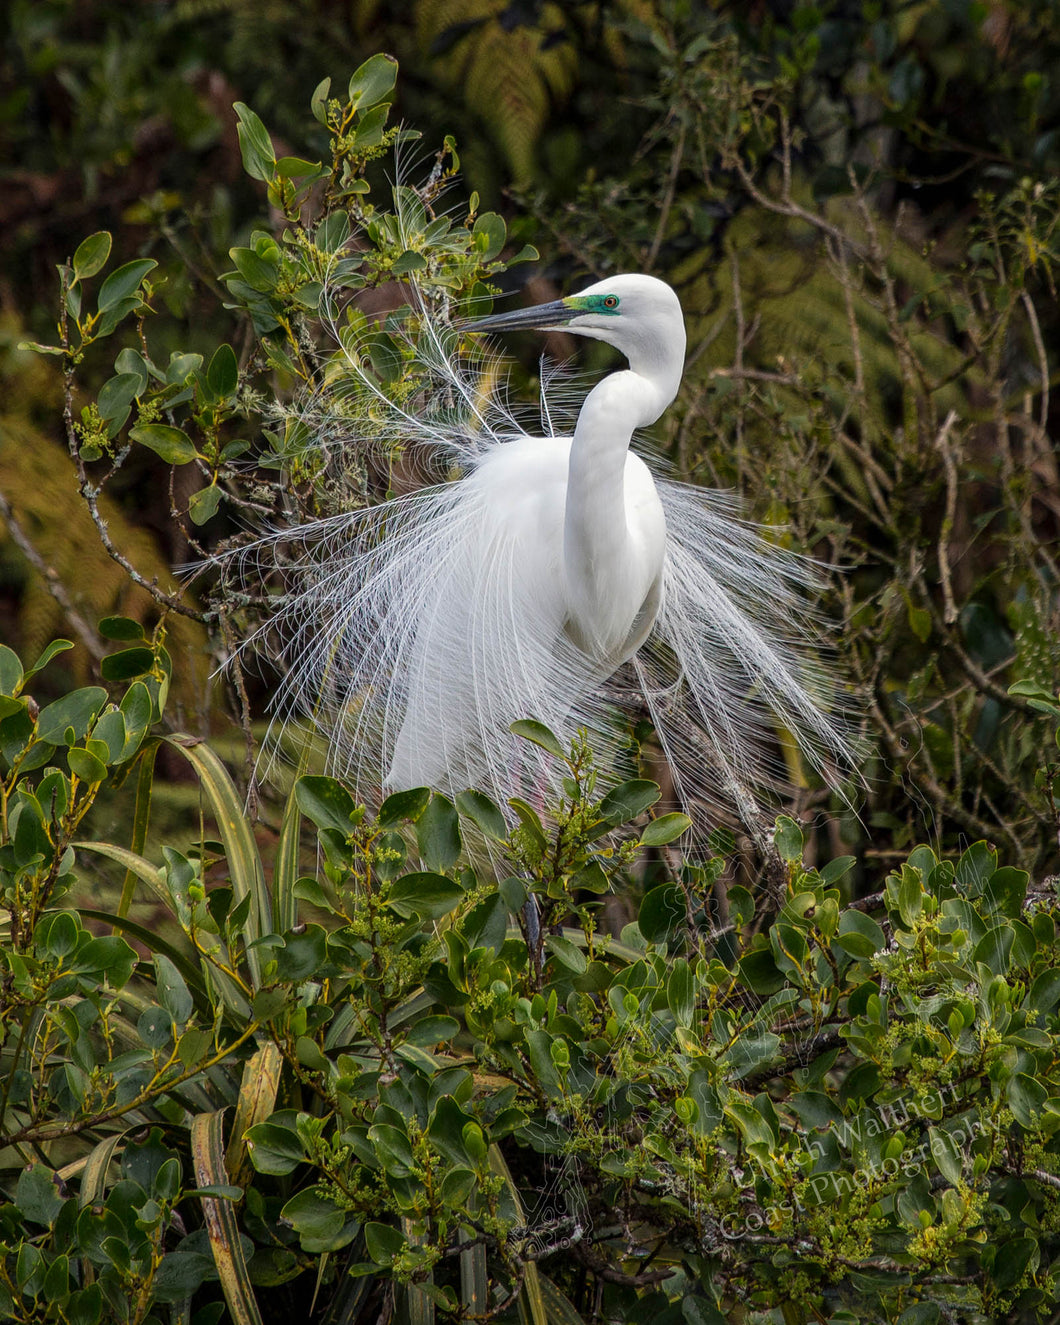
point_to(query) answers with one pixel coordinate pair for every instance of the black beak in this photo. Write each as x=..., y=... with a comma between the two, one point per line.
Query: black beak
x=541, y=317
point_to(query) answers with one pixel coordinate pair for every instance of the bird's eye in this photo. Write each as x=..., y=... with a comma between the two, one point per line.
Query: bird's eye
x=611, y=301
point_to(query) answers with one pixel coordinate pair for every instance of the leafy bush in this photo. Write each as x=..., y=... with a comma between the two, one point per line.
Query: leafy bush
x=392, y=1078
x=415, y=1076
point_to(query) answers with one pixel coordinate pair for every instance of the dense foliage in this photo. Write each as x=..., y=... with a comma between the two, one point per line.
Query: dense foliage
x=810, y=1074
x=370, y=1083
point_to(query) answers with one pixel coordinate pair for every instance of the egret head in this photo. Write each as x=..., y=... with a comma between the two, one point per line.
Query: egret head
x=639, y=315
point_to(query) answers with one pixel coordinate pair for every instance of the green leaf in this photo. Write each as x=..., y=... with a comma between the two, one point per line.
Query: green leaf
x=180, y=1274
x=910, y=896
x=490, y=235
x=438, y=833
x=513, y=894
x=10, y=705
x=393, y=1149
x=859, y=934
x=974, y=869
x=171, y=989
x=56, y=646
x=241, y=852
x=540, y=735
x=478, y=807
x=295, y=167
x=1044, y=993
x=302, y=954
x=995, y=949
x=37, y=1196
x=202, y=505
x=591, y=878
x=681, y=993
x=222, y=376
x=10, y=671
x=372, y=81
x=155, y=1027
x=946, y=1154
x=75, y=710
x=258, y=272
x=57, y=352
x=403, y=805
x=836, y=869
x=1013, y=1258
x=116, y=394
x=319, y=103
x=629, y=800
x=172, y=444
x=530, y=820
x=120, y=628
x=919, y=622
x=274, y=1148
x=333, y=232
x=425, y=895
x=108, y=957
x=137, y=710
x=662, y=913
x=91, y=255
x=255, y=145
x=667, y=828
x=566, y=953
x=1026, y=1099
x=430, y=1031
x=127, y=664
x=222, y=1225
x=326, y=803
x=1037, y=696
x=383, y=1243
x=408, y=261
x=788, y=840
x=285, y=867
x=181, y=367
x=86, y=766
x=124, y=283
x=320, y=1224
x=118, y=313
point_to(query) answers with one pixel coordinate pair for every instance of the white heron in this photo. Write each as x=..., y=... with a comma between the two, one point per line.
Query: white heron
x=556, y=578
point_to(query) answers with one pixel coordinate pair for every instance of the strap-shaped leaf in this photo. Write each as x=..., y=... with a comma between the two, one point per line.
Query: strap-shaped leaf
x=141, y=817
x=207, y=1151
x=285, y=869
x=244, y=861
x=257, y=1099
x=419, y=1307
x=209, y=944
x=531, y=1299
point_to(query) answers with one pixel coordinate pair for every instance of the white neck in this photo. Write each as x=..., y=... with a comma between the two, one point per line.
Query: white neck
x=603, y=570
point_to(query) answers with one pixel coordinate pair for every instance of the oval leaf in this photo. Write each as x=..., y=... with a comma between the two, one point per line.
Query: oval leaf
x=540, y=735
x=124, y=282
x=667, y=828
x=482, y=812
x=427, y=896
x=172, y=444
x=92, y=254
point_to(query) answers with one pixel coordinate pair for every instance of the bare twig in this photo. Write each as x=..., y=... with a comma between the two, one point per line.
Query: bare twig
x=946, y=529
x=51, y=579
x=91, y=492
x=1043, y=358
x=676, y=157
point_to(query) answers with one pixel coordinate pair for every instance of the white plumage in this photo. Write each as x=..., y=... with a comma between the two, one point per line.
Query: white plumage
x=414, y=632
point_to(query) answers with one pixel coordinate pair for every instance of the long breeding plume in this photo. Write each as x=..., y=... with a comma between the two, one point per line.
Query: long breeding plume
x=552, y=577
